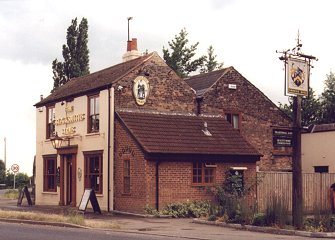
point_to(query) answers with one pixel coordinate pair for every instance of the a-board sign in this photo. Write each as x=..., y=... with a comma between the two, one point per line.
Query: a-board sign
x=24, y=192
x=89, y=195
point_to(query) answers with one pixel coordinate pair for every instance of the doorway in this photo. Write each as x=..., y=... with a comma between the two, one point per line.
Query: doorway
x=68, y=179
x=68, y=183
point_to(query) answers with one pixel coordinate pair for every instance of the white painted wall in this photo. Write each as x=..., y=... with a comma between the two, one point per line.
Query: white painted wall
x=85, y=142
x=318, y=149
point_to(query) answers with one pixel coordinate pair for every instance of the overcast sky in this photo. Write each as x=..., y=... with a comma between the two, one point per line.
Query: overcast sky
x=244, y=34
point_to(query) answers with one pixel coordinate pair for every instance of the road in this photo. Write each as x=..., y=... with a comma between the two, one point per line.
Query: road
x=11, y=231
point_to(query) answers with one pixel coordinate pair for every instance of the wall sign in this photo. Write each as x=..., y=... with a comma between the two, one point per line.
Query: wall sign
x=141, y=89
x=282, y=137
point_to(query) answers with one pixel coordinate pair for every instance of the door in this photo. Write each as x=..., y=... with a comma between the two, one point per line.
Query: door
x=69, y=180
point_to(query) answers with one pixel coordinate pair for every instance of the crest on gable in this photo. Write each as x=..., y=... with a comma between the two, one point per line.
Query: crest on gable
x=141, y=89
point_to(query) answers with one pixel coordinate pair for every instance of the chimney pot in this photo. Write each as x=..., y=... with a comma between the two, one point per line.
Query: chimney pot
x=134, y=44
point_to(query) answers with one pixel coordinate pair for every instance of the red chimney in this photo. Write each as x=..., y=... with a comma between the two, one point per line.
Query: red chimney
x=132, y=45
x=132, y=51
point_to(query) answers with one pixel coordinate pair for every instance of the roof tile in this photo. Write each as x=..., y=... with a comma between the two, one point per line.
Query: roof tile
x=183, y=134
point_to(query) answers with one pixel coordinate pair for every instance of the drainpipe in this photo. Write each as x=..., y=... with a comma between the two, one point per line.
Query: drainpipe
x=199, y=100
x=110, y=121
x=157, y=185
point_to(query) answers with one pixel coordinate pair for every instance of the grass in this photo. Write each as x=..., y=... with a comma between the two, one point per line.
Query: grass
x=73, y=218
x=11, y=194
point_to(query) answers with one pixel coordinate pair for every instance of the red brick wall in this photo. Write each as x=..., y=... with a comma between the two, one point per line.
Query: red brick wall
x=175, y=177
x=175, y=181
x=258, y=116
x=126, y=148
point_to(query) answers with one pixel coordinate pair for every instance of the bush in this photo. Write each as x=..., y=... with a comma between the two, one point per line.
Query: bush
x=259, y=219
x=187, y=209
x=183, y=210
x=321, y=222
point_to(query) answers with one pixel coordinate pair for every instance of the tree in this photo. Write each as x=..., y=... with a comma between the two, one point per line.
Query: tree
x=310, y=109
x=21, y=180
x=328, y=99
x=75, y=54
x=180, y=57
x=210, y=64
x=2, y=172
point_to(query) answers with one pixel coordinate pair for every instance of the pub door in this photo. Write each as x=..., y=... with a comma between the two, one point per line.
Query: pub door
x=68, y=180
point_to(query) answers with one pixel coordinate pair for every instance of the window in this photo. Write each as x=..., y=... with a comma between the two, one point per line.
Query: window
x=321, y=169
x=50, y=174
x=203, y=173
x=93, y=171
x=126, y=176
x=93, y=120
x=233, y=119
x=50, y=121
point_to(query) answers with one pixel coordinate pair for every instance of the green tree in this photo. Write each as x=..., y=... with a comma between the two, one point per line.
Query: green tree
x=21, y=180
x=180, y=57
x=310, y=109
x=328, y=99
x=210, y=64
x=2, y=172
x=75, y=54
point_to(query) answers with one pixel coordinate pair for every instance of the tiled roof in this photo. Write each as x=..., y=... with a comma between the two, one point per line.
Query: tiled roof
x=183, y=134
x=94, y=81
x=200, y=83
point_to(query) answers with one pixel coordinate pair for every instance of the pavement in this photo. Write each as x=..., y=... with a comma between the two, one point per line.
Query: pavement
x=178, y=228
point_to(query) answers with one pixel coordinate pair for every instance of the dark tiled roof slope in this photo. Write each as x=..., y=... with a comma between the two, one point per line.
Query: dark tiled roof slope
x=94, y=81
x=200, y=83
x=179, y=134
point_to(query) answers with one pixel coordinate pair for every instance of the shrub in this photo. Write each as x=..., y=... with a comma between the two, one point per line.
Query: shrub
x=259, y=219
x=231, y=198
x=182, y=210
x=320, y=222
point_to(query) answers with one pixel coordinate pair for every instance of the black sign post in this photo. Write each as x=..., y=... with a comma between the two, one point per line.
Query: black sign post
x=89, y=195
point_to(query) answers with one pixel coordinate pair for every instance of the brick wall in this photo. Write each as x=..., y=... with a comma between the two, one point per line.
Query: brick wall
x=168, y=92
x=127, y=148
x=258, y=117
x=175, y=177
x=175, y=181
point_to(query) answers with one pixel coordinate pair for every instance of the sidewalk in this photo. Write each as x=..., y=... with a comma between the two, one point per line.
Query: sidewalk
x=181, y=228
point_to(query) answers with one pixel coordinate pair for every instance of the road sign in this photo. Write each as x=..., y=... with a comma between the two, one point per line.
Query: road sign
x=15, y=168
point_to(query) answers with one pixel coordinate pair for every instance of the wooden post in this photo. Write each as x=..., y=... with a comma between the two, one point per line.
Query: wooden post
x=297, y=204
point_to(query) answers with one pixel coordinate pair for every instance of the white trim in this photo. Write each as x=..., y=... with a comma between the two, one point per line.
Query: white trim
x=239, y=168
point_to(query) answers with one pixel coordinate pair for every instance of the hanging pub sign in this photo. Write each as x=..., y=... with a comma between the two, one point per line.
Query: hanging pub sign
x=282, y=137
x=297, y=77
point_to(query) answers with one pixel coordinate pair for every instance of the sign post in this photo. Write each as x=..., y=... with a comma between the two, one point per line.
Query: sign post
x=297, y=72
x=15, y=168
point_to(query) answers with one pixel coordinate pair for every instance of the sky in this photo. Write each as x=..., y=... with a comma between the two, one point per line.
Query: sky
x=244, y=34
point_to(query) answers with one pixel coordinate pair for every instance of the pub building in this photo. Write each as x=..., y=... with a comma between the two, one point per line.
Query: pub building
x=139, y=135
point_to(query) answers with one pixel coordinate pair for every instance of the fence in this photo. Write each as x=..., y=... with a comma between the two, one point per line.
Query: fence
x=316, y=190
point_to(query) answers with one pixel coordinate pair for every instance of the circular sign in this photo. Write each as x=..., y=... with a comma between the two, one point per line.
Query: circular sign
x=15, y=168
